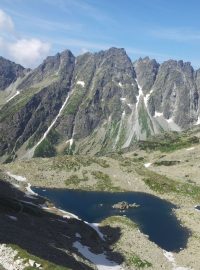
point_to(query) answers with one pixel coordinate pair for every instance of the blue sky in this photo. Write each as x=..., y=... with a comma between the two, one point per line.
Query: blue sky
x=162, y=29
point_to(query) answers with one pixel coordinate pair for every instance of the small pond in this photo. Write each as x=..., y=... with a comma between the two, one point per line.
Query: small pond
x=154, y=216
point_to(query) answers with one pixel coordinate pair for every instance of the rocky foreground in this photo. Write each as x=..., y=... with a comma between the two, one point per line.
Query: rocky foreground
x=35, y=234
x=166, y=167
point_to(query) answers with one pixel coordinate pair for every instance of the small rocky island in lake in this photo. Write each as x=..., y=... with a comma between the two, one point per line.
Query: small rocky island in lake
x=124, y=205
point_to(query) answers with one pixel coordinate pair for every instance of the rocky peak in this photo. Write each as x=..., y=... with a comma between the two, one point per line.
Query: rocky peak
x=174, y=92
x=112, y=102
x=146, y=70
x=51, y=67
x=9, y=72
x=180, y=66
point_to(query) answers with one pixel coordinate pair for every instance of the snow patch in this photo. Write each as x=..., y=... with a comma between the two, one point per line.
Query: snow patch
x=68, y=214
x=82, y=83
x=123, y=99
x=147, y=165
x=30, y=191
x=120, y=84
x=131, y=106
x=158, y=114
x=19, y=178
x=140, y=93
x=100, y=260
x=170, y=120
x=198, y=121
x=173, y=125
x=95, y=226
x=78, y=235
x=146, y=98
x=170, y=257
x=196, y=208
x=12, y=217
x=31, y=152
x=16, y=94
x=70, y=141
x=190, y=149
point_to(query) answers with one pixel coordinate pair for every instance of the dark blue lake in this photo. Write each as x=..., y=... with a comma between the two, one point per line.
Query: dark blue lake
x=154, y=216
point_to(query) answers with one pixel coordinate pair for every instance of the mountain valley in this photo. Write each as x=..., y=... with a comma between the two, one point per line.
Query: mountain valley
x=95, y=123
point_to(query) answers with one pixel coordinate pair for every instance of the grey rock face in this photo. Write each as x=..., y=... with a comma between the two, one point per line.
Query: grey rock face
x=9, y=72
x=175, y=93
x=112, y=102
x=52, y=66
x=107, y=76
x=197, y=93
x=146, y=70
x=34, y=117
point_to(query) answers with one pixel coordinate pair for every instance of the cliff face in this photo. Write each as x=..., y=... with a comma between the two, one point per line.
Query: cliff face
x=175, y=93
x=109, y=103
x=42, y=93
x=9, y=72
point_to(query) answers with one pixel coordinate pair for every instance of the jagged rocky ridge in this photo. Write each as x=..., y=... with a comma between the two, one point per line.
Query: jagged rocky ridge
x=95, y=103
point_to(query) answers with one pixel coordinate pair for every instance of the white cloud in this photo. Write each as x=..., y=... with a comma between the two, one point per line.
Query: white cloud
x=6, y=23
x=25, y=51
x=28, y=52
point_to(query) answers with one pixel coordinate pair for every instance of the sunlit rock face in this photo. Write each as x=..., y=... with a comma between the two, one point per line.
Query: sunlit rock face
x=112, y=102
x=9, y=72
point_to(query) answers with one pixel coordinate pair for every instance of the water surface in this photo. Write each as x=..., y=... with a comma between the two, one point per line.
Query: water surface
x=154, y=216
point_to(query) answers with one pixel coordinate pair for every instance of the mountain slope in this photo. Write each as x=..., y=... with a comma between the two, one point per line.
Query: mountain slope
x=11, y=75
x=97, y=103
x=38, y=103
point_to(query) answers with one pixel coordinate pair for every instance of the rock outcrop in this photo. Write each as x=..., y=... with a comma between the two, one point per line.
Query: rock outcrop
x=124, y=205
x=9, y=72
x=112, y=102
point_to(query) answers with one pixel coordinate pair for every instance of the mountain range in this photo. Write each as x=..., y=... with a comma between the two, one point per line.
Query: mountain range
x=93, y=104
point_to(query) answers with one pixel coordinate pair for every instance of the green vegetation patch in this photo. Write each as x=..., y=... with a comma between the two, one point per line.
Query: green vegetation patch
x=45, y=149
x=104, y=182
x=74, y=101
x=119, y=220
x=136, y=261
x=145, y=121
x=168, y=142
x=162, y=184
x=31, y=142
x=166, y=162
x=67, y=163
x=46, y=265
x=74, y=163
x=17, y=103
x=75, y=180
x=69, y=149
x=53, y=136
